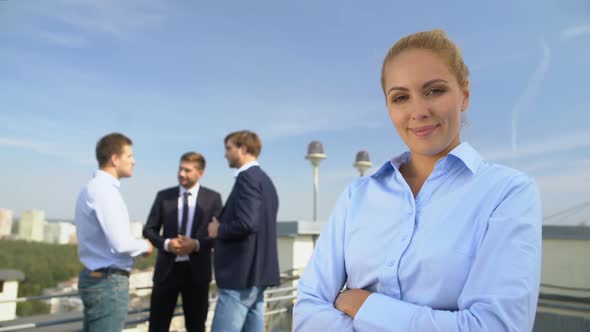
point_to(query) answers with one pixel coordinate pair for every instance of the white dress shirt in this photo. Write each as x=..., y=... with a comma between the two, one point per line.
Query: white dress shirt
x=192, y=203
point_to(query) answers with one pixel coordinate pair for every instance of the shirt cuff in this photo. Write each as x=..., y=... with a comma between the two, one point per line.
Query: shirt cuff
x=166, y=245
x=198, y=247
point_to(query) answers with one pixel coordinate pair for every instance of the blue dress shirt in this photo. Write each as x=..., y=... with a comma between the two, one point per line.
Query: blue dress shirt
x=102, y=226
x=463, y=255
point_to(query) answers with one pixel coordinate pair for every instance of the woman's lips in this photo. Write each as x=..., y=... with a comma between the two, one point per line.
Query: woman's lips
x=423, y=131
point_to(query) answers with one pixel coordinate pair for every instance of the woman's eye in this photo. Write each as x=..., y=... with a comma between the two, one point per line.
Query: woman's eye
x=435, y=91
x=399, y=99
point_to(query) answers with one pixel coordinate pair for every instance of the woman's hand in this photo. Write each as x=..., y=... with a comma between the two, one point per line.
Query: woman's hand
x=351, y=300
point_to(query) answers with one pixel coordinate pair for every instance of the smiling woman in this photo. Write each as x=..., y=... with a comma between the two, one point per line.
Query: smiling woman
x=426, y=89
x=437, y=239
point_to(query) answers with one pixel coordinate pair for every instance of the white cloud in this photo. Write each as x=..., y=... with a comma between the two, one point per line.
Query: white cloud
x=83, y=18
x=26, y=144
x=574, y=183
x=46, y=148
x=496, y=60
x=528, y=95
x=542, y=147
x=302, y=120
x=567, y=186
x=575, y=31
x=64, y=40
x=116, y=18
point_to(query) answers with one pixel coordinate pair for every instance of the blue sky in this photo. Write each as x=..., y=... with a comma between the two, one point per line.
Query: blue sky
x=178, y=76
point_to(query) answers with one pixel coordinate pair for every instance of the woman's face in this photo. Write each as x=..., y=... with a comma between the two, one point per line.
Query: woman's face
x=425, y=102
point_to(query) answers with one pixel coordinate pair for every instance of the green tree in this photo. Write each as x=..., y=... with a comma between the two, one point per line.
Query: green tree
x=45, y=265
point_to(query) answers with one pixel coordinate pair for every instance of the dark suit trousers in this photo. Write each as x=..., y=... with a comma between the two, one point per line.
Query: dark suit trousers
x=195, y=300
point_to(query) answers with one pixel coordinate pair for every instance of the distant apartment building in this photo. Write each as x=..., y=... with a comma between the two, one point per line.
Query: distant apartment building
x=59, y=232
x=137, y=229
x=73, y=238
x=6, y=216
x=31, y=225
x=140, y=282
x=60, y=305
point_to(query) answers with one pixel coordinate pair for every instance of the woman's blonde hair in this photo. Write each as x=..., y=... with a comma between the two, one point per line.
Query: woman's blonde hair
x=437, y=42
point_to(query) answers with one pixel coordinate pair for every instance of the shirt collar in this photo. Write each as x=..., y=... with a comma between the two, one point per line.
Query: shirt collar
x=393, y=164
x=463, y=152
x=468, y=155
x=107, y=177
x=194, y=190
x=246, y=166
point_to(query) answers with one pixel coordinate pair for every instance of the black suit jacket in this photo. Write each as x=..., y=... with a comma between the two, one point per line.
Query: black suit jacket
x=164, y=213
x=246, y=249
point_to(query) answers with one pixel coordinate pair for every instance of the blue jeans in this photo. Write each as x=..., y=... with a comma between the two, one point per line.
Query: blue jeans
x=105, y=301
x=239, y=310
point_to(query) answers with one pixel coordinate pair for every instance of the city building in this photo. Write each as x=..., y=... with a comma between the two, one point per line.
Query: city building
x=140, y=282
x=137, y=229
x=6, y=216
x=31, y=225
x=64, y=304
x=59, y=232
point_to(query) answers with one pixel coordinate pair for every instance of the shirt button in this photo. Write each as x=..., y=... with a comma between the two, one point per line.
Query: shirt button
x=404, y=237
x=391, y=263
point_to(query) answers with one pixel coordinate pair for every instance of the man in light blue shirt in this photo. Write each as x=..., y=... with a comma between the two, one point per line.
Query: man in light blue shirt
x=105, y=244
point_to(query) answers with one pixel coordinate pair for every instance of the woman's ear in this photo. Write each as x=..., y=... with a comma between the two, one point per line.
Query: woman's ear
x=465, y=103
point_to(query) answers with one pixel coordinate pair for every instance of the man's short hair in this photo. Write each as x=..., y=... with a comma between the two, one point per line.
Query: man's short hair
x=195, y=158
x=111, y=144
x=245, y=138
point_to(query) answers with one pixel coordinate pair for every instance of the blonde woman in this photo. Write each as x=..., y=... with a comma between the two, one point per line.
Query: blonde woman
x=437, y=239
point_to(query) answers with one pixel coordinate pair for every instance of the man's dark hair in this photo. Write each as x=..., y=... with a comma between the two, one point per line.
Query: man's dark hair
x=195, y=158
x=111, y=144
x=245, y=138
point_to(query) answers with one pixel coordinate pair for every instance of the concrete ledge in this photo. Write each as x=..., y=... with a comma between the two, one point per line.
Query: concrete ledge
x=566, y=232
x=299, y=227
x=11, y=275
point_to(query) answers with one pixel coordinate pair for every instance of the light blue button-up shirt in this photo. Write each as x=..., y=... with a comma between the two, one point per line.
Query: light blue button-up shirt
x=102, y=226
x=464, y=255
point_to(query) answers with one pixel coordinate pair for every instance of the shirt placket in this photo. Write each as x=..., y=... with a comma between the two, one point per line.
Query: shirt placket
x=390, y=284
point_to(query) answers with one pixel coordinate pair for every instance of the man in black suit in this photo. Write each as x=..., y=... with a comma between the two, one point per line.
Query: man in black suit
x=246, y=259
x=184, y=256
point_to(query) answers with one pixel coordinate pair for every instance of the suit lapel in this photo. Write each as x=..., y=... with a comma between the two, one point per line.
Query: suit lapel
x=172, y=211
x=198, y=215
x=229, y=201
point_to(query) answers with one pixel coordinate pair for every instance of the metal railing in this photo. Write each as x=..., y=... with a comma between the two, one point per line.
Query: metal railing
x=271, y=296
x=48, y=297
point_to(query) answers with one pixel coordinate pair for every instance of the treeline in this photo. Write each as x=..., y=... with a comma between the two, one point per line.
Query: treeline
x=44, y=265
